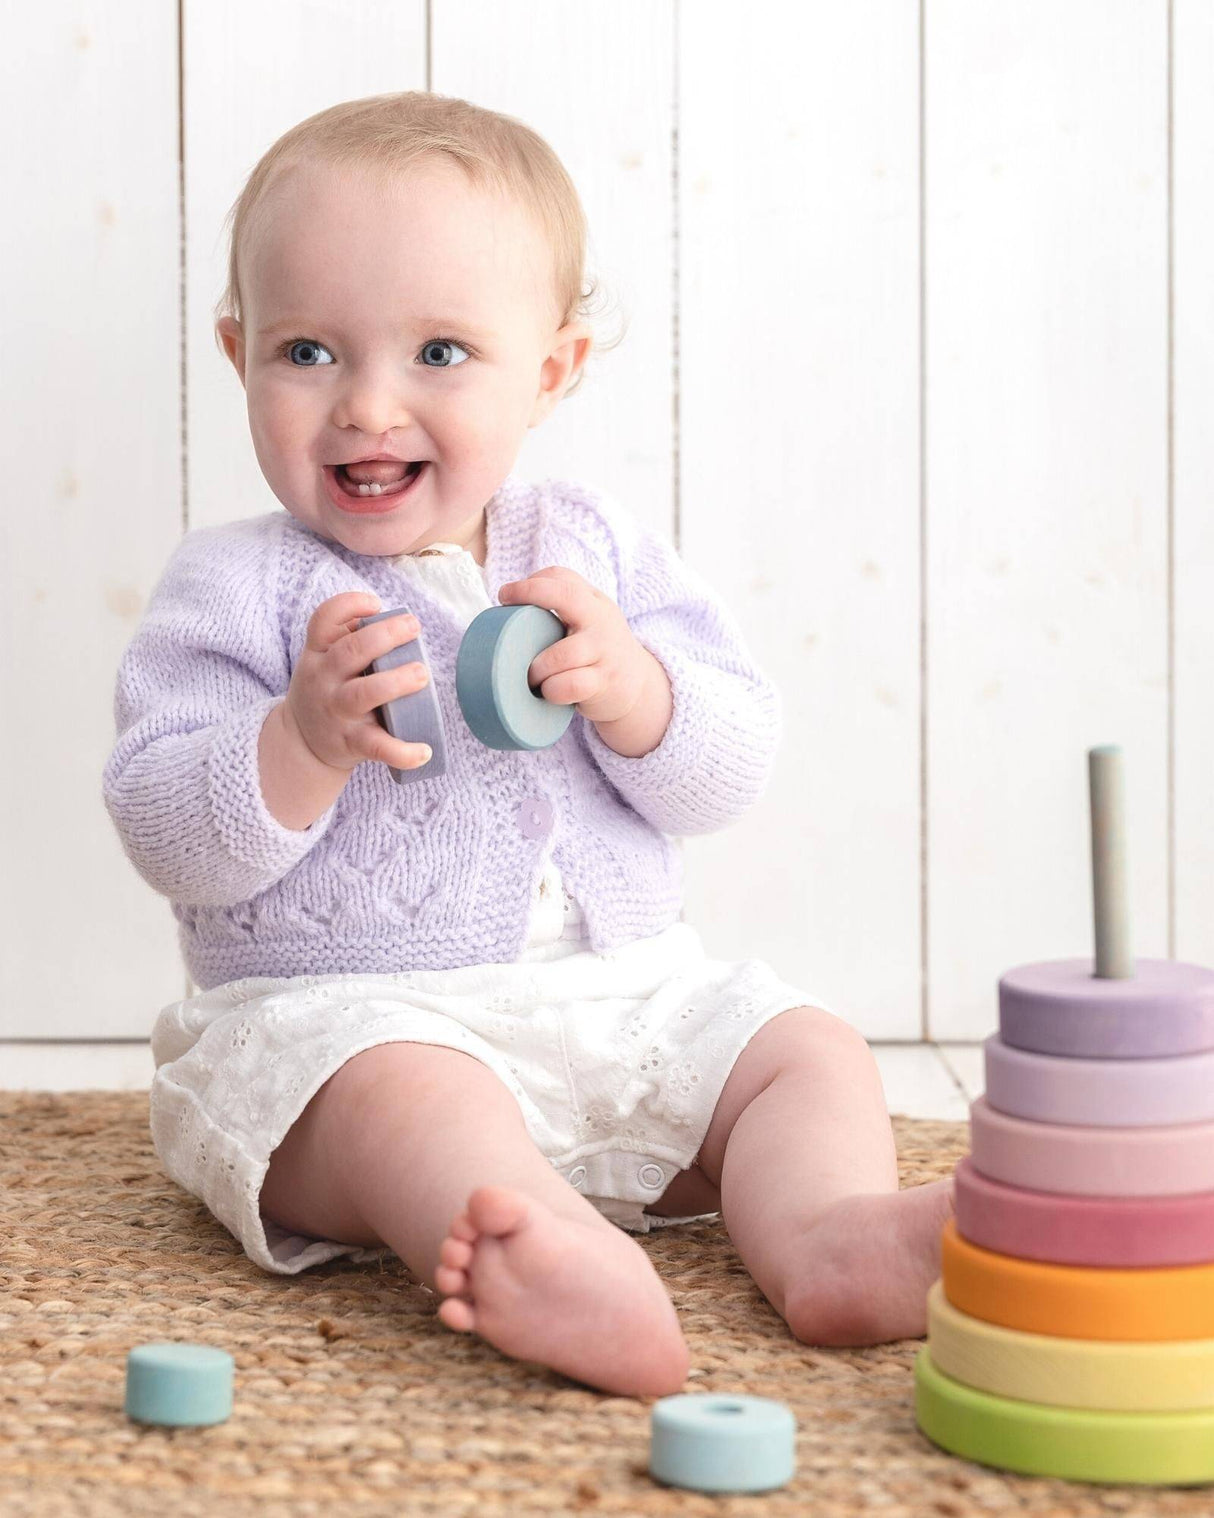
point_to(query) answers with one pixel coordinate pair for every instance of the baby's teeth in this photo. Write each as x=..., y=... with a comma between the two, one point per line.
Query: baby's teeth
x=371, y=489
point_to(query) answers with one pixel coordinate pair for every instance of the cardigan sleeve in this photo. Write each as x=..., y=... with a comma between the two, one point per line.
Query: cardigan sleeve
x=204, y=669
x=719, y=747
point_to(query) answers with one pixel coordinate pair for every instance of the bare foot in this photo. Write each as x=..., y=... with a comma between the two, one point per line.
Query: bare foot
x=868, y=1262
x=582, y=1299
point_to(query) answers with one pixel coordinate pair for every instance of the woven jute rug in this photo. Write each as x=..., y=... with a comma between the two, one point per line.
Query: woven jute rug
x=350, y=1394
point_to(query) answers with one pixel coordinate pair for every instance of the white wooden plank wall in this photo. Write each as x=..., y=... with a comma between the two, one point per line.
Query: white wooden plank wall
x=1193, y=423
x=919, y=303
x=91, y=442
x=1046, y=201
x=798, y=453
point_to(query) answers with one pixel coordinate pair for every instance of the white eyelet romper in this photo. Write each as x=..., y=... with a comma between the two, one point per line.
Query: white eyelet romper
x=616, y=1060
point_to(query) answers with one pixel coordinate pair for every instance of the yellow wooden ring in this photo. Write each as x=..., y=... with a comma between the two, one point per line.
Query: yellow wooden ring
x=1160, y=1449
x=1171, y=1375
x=1077, y=1301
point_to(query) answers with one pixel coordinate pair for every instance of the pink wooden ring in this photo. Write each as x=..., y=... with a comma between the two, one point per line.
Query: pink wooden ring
x=1091, y=1161
x=1059, y=1007
x=1115, y=1232
x=1112, y=1093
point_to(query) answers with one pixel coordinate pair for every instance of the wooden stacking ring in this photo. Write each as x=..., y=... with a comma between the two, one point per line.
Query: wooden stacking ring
x=1114, y=1093
x=1059, y=1006
x=1173, y=1375
x=491, y=683
x=1161, y=1449
x=1091, y=1161
x=1114, y=1232
x=1076, y=1301
x=727, y=1442
x=416, y=717
x=178, y=1385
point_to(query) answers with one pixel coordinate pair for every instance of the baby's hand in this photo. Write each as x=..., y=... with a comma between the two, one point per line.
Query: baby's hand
x=599, y=667
x=330, y=699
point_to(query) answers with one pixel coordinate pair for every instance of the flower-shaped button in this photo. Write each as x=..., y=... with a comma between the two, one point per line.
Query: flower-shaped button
x=535, y=817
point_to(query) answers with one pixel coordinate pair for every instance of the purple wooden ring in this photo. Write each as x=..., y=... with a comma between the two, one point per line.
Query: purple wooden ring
x=1091, y=1161
x=1099, y=1093
x=1059, y=1006
x=1129, y=1232
x=413, y=718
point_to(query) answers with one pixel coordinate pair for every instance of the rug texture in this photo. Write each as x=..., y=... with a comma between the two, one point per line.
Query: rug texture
x=351, y=1395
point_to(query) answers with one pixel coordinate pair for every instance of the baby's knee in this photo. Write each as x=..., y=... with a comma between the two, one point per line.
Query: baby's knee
x=810, y=1037
x=421, y=1085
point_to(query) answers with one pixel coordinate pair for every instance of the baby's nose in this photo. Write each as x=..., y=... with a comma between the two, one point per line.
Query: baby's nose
x=373, y=404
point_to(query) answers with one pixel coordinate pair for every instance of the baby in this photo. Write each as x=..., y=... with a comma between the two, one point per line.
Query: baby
x=459, y=1017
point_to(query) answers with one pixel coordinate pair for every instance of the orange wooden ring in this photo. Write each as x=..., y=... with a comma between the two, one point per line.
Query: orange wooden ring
x=1077, y=1301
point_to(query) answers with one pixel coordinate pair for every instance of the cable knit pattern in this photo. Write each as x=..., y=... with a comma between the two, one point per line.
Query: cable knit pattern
x=437, y=873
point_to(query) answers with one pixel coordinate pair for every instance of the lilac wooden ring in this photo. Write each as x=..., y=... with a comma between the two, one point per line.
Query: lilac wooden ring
x=1091, y=1161
x=1058, y=1006
x=415, y=717
x=1128, y=1232
x=1099, y=1093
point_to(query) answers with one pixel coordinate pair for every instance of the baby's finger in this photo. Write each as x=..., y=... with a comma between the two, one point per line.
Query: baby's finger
x=566, y=593
x=573, y=685
x=334, y=618
x=359, y=648
x=357, y=697
x=566, y=653
x=372, y=742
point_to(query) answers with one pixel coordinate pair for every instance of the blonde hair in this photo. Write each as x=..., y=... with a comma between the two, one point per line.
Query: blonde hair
x=390, y=132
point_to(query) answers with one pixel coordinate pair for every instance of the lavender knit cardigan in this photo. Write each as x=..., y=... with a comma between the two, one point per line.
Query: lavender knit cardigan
x=437, y=873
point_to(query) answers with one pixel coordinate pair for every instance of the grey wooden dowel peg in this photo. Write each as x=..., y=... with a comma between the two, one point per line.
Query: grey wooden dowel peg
x=1110, y=878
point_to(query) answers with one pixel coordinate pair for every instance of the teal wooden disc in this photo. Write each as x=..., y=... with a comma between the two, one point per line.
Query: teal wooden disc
x=491, y=678
x=722, y=1443
x=1079, y=1444
x=183, y=1385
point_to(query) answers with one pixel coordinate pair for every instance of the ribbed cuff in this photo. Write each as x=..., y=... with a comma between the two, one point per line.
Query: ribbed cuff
x=713, y=758
x=251, y=832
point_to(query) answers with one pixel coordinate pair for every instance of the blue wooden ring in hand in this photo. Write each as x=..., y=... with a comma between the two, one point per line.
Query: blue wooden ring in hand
x=722, y=1443
x=491, y=678
x=414, y=718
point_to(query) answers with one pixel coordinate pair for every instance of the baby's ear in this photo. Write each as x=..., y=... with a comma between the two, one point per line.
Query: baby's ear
x=231, y=334
x=571, y=349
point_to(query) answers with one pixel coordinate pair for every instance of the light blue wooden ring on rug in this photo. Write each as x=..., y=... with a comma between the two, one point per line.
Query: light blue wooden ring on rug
x=183, y=1385
x=722, y=1443
x=491, y=678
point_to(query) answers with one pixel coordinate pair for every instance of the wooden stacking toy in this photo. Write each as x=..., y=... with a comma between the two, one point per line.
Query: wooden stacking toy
x=178, y=1385
x=1072, y=1330
x=491, y=686
x=723, y=1443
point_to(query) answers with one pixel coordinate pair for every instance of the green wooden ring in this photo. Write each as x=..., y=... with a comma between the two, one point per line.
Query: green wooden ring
x=1155, y=1449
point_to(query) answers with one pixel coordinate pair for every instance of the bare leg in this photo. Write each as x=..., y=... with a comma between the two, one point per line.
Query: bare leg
x=422, y=1148
x=802, y=1149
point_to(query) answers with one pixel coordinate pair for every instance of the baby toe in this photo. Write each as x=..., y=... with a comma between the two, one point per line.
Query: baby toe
x=457, y=1314
x=449, y=1280
x=497, y=1209
x=462, y=1227
x=455, y=1252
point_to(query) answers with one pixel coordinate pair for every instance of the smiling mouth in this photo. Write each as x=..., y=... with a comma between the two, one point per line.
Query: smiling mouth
x=351, y=488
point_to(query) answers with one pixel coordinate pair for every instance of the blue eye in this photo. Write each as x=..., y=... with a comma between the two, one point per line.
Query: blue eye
x=310, y=350
x=440, y=343
x=309, y=347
